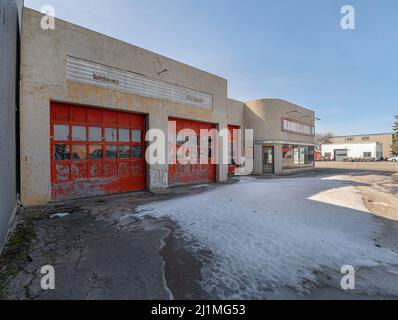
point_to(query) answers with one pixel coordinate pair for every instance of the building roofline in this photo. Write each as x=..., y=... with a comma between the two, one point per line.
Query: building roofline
x=128, y=43
x=280, y=100
x=363, y=135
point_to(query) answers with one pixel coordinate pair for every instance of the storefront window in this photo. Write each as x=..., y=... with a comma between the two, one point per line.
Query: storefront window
x=297, y=156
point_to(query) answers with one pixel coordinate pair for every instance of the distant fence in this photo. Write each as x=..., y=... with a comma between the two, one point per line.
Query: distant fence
x=376, y=166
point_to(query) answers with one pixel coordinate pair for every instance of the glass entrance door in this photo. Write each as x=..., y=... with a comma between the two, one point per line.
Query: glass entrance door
x=268, y=160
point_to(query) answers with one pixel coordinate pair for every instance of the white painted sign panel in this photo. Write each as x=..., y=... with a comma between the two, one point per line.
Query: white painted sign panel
x=95, y=74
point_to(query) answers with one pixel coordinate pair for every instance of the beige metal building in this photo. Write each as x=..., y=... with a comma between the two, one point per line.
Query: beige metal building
x=383, y=138
x=88, y=100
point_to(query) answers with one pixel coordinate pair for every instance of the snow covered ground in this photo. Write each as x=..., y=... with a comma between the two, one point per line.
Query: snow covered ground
x=295, y=233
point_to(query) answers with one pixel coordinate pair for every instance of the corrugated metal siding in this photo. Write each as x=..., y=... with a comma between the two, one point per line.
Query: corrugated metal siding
x=87, y=72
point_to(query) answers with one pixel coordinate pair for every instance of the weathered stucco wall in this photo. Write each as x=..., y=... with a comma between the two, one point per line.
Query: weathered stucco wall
x=236, y=110
x=43, y=73
x=265, y=118
x=9, y=33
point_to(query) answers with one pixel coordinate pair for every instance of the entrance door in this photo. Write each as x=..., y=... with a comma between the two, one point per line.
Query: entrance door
x=268, y=160
x=340, y=155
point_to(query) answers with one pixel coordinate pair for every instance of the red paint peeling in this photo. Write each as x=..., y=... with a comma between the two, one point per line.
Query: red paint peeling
x=76, y=174
x=193, y=173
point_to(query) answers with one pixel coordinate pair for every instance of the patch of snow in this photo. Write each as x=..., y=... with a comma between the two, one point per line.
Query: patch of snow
x=266, y=235
x=199, y=186
x=59, y=215
x=347, y=197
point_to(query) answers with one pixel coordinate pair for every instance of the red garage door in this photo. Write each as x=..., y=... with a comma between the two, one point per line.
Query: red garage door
x=95, y=152
x=180, y=174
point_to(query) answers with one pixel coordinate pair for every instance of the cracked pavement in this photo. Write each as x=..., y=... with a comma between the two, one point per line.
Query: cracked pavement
x=102, y=251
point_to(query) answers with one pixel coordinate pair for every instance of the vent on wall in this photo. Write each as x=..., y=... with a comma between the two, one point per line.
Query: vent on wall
x=91, y=73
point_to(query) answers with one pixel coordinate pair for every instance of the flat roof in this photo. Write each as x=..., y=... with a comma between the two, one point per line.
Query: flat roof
x=364, y=135
x=29, y=10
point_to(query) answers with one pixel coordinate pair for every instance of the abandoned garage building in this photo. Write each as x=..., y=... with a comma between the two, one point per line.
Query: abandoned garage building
x=87, y=101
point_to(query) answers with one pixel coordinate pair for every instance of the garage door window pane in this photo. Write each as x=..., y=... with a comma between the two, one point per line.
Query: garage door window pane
x=95, y=152
x=136, y=135
x=61, y=152
x=61, y=133
x=124, y=135
x=110, y=135
x=111, y=152
x=79, y=133
x=137, y=152
x=124, y=152
x=79, y=152
x=95, y=134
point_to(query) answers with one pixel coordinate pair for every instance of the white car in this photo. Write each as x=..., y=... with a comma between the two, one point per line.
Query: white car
x=393, y=159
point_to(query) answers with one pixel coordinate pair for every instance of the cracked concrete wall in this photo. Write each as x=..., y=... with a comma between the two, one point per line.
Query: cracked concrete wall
x=43, y=79
x=9, y=34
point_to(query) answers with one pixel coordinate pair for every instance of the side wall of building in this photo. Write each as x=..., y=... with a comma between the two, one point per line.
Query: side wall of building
x=9, y=39
x=236, y=110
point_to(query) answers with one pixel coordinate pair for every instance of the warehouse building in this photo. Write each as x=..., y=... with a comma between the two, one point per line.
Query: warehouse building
x=88, y=101
x=354, y=151
x=383, y=138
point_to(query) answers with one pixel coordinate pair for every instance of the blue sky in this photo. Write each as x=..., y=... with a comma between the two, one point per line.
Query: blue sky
x=289, y=49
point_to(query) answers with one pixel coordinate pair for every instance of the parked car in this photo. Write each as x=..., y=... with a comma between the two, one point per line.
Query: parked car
x=393, y=159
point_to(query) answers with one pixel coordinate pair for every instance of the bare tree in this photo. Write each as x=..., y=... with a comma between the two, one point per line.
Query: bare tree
x=395, y=138
x=324, y=138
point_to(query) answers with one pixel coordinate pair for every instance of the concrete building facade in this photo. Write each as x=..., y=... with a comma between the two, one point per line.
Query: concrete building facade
x=384, y=138
x=88, y=100
x=284, y=136
x=9, y=55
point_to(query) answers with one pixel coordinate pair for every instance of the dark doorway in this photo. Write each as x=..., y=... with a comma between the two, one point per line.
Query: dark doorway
x=268, y=160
